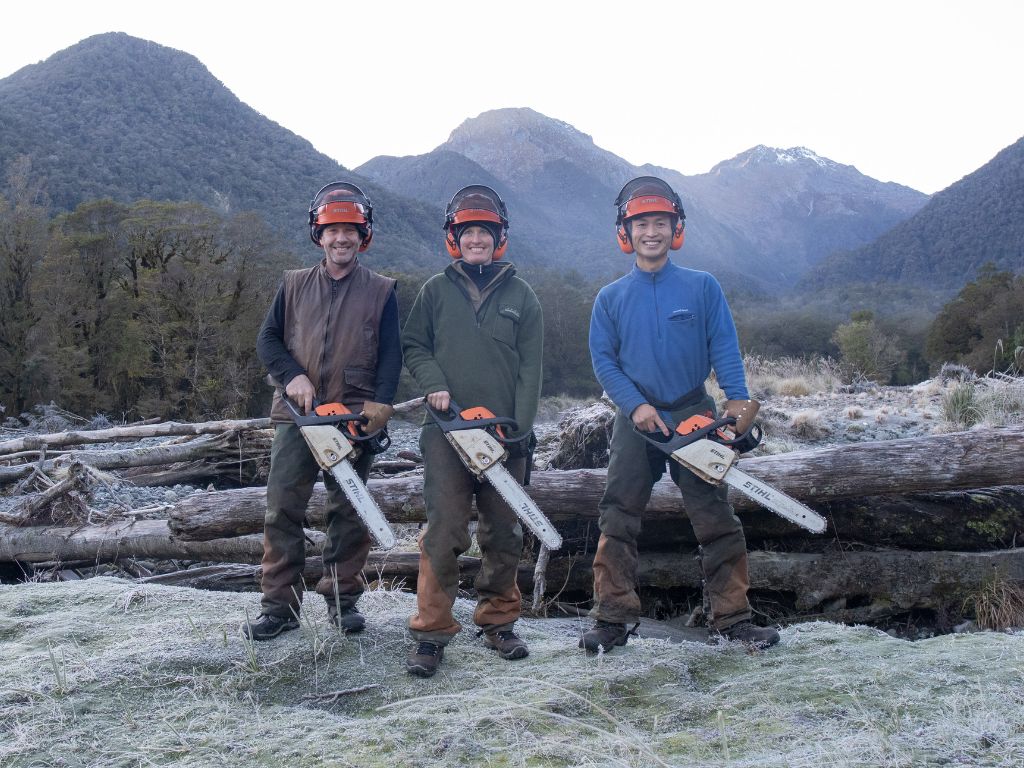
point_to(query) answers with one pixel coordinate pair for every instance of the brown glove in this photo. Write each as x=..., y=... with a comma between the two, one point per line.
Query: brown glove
x=744, y=411
x=378, y=415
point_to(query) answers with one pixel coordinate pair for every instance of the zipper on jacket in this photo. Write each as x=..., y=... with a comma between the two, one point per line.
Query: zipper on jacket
x=323, y=346
x=657, y=309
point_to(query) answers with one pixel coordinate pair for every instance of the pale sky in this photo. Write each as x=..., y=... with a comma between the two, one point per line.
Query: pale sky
x=920, y=93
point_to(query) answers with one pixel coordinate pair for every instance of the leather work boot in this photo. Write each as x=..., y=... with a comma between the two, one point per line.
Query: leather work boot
x=748, y=633
x=266, y=627
x=424, y=658
x=348, y=620
x=507, y=643
x=604, y=635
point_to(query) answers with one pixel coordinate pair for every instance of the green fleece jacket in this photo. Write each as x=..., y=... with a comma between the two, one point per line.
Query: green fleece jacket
x=482, y=346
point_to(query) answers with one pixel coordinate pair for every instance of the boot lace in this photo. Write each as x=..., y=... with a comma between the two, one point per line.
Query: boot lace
x=427, y=649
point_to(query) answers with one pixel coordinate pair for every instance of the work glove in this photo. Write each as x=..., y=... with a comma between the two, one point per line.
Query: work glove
x=377, y=415
x=744, y=411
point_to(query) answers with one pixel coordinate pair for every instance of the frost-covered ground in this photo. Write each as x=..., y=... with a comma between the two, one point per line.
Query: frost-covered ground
x=106, y=673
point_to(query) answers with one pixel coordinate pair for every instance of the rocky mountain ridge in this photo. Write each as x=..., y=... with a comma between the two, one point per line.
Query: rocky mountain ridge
x=126, y=118
x=760, y=219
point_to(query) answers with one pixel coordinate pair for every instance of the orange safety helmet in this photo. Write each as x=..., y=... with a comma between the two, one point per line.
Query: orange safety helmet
x=643, y=195
x=341, y=202
x=476, y=204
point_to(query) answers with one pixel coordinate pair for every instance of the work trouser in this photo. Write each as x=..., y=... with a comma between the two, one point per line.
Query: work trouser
x=448, y=492
x=634, y=466
x=293, y=472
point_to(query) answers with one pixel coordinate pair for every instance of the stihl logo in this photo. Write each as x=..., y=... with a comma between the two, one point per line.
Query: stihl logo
x=354, y=490
x=757, y=490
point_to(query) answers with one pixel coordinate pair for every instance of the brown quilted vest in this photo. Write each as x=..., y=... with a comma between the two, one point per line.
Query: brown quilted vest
x=330, y=328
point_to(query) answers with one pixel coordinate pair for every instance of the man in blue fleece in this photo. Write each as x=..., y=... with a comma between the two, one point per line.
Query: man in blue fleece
x=655, y=336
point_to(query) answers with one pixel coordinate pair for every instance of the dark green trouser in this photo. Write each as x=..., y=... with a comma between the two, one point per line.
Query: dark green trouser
x=448, y=492
x=293, y=472
x=634, y=467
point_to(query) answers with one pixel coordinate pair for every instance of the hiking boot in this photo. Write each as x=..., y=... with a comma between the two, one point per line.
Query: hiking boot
x=748, y=633
x=604, y=635
x=507, y=643
x=424, y=659
x=348, y=620
x=266, y=627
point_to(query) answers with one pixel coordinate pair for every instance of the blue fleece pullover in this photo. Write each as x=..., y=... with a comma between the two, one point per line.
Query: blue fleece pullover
x=657, y=335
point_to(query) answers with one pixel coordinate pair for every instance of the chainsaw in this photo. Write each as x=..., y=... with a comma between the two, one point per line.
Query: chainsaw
x=709, y=448
x=478, y=437
x=333, y=434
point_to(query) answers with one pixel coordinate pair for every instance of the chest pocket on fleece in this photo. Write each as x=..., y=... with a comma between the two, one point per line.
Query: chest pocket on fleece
x=506, y=323
x=682, y=324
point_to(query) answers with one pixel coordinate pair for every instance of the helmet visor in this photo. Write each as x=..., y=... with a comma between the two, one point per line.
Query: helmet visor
x=647, y=194
x=340, y=202
x=476, y=203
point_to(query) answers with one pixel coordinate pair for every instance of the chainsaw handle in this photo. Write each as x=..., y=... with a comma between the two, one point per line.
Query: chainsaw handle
x=748, y=441
x=452, y=420
x=379, y=441
x=675, y=441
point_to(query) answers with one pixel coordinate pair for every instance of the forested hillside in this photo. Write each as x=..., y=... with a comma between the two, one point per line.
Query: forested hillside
x=119, y=117
x=978, y=220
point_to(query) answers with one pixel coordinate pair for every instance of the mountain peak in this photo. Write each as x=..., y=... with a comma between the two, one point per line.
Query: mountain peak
x=765, y=155
x=539, y=140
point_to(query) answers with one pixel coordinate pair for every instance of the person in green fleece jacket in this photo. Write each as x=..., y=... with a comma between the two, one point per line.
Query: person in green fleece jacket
x=474, y=335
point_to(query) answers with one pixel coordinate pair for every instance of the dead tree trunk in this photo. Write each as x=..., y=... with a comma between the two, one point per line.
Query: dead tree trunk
x=150, y=539
x=391, y=567
x=207, y=457
x=845, y=483
x=871, y=583
x=117, y=434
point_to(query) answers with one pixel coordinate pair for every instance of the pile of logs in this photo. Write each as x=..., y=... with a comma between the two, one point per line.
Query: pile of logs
x=914, y=524
x=226, y=452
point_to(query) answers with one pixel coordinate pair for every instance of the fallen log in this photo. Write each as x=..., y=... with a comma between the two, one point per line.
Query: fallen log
x=230, y=447
x=136, y=432
x=149, y=539
x=896, y=581
x=950, y=519
x=380, y=567
x=841, y=586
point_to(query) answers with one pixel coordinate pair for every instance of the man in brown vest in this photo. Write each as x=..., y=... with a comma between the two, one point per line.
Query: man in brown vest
x=332, y=334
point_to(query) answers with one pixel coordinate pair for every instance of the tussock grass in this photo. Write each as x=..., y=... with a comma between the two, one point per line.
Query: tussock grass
x=90, y=678
x=994, y=400
x=999, y=604
x=808, y=425
x=790, y=376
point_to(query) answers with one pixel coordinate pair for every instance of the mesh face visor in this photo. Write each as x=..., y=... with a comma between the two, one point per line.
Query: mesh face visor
x=340, y=203
x=647, y=194
x=476, y=203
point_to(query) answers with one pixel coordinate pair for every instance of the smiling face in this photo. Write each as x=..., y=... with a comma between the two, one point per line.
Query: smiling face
x=651, y=236
x=476, y=245
x=341, y=245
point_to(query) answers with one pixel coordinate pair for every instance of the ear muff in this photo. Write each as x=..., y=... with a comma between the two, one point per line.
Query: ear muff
x=622, y=237
x=679, y=234
x=452, y=245
x=369, y=237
